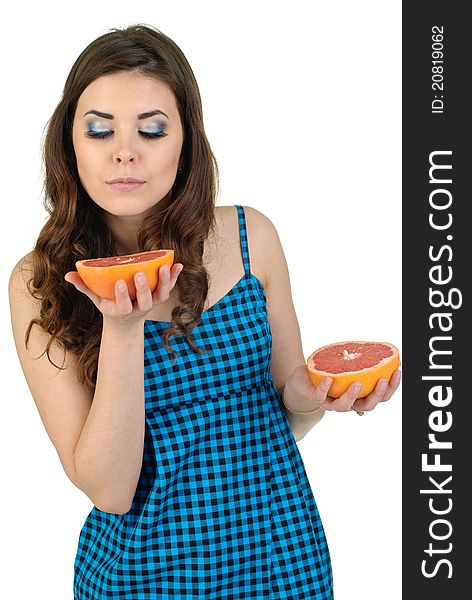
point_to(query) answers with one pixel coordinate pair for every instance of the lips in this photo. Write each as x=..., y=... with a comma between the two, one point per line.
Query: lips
x=125, y=180
x=125, y=184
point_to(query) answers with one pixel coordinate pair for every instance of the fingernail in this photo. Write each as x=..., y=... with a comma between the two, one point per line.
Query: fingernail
x=122, y=286
x=357, y=387
x=327, y=383
x=383, y=384
x=141, y=277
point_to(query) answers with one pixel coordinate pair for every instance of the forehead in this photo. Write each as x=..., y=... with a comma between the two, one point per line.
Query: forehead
x=123, y=92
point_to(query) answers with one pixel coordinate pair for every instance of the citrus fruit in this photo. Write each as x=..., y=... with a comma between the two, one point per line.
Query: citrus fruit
x=346, y=362
x=101, y=274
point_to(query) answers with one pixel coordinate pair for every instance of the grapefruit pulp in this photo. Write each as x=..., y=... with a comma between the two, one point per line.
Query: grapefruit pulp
x=101, y=274
x=346, y=362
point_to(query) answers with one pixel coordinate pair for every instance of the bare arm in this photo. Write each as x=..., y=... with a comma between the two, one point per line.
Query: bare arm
x=287, y=351
x=99, y=438
x=301, y=424
x=109, y=453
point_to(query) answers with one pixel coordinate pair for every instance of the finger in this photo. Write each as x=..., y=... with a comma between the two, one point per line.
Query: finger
x=143, y=292
x=376, y=396
x=392, y=385
x=75, y=279
x=123, y=301
x=161, y=293
x=346, y=401
x=177, y=268
x=321, y=390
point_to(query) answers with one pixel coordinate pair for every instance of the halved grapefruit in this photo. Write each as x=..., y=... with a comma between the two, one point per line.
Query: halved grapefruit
x=101, y=274
x=346, y=362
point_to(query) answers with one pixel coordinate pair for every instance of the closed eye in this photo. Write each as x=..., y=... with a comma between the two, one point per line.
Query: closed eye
x=106, y=134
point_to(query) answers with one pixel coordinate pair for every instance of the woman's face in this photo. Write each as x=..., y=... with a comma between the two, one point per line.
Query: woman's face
x=124, y=141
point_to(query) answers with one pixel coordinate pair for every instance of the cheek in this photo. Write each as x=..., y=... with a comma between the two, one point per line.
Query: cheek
x=172, y=151
x=87, y=169
x=78, y=151
x=165, y=162
x=87, y=161
x=174, y=157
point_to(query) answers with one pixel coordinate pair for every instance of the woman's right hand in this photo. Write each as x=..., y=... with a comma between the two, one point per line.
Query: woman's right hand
x=123, y=311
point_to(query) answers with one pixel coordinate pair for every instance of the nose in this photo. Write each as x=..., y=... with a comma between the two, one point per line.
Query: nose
x=123, y=148
x=124, y=156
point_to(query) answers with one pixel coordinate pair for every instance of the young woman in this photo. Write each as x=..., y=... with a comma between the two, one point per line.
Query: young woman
x=176, y=413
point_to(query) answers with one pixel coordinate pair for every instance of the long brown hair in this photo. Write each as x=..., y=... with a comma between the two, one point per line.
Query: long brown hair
x=75, y=229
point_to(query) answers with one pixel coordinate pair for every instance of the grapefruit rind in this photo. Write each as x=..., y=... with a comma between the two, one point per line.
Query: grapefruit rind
x=368, y=376
x=102, y=280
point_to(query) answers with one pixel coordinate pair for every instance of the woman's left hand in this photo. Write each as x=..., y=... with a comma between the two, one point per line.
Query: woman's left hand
x=300, y=393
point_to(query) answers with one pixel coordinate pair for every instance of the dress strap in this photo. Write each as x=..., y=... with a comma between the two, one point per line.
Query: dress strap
x=243, y=239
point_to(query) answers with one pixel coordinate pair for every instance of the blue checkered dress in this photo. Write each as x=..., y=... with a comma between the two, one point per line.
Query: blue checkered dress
x=223, y=507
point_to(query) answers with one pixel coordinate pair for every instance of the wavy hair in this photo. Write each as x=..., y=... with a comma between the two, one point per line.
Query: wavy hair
x=75, y=229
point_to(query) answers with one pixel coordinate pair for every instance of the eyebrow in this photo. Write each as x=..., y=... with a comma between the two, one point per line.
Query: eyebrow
x=144, y=115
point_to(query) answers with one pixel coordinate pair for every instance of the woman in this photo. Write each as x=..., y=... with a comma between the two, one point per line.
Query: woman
x=185, y=446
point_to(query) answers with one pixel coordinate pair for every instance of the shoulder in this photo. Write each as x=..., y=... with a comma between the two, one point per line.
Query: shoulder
x=20, y=273
x=23, y=305
x=257, y=220
x=25, y=261
x=263, y=239
x=259, y=227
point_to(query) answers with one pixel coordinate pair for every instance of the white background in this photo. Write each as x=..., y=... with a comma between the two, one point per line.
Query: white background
x=302, y=109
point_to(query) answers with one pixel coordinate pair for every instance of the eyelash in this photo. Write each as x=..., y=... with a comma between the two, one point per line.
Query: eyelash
x=105, y=134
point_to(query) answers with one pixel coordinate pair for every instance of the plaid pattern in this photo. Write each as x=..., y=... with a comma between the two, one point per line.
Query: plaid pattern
x=223, y=507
